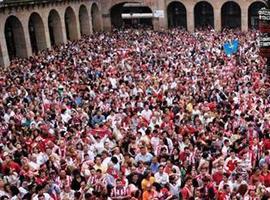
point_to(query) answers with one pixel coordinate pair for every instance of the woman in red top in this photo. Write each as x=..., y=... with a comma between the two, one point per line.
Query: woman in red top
x=256, y=177
x=187, y=191
x=265, y=175
x=10, y=165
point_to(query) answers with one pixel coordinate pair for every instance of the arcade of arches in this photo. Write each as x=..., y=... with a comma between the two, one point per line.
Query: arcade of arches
x=27, y=30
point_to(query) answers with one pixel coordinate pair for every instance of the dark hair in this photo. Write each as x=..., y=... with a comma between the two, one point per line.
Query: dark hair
x=114, y=160
x=242, y=189
x=14, y=190
x=4, y=198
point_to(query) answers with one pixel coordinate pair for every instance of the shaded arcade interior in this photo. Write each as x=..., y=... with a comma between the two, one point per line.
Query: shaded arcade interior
x=131, y=15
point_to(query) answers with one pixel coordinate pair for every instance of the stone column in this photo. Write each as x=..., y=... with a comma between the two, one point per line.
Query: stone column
x=28, y=50
x=163, y=22
x=47, y=35
x=63, y=30
x=217, y=19
x=77, y=26
x=106, y=22
x=244, y=18
x=4, y=58
x=190, y=17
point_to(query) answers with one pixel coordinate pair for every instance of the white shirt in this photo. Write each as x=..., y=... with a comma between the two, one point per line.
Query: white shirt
x=147, y=114
x=162, y=178
x=224, y=150
x=41, y=158
x=3, y=193
x=155, y=142
x=46, y=195
x=66, y=196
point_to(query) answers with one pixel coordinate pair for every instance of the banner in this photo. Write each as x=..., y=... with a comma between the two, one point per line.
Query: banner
x=231, y=47
x=159, y=13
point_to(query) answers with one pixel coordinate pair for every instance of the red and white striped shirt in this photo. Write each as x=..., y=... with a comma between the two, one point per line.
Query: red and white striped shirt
x=98, y=183
x=62, y=182
x=119, y=192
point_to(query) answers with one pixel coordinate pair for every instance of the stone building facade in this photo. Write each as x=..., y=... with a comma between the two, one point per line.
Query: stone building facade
x=28, y=26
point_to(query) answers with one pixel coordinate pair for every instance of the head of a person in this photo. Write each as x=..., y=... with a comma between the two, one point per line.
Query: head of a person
x=242, y=189
x=41, y=197
x=232, y=154
x=67, y=188
x=143, y=150
x=161, y=169
x=188, y=181
x=2, y=183
x=186, y=149
x=118, y=183
x=226, y=188
x=98, y=173
x=226, y=142
x=98, y=160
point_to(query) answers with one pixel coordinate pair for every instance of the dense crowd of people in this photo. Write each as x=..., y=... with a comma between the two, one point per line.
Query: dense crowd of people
x=139, y=115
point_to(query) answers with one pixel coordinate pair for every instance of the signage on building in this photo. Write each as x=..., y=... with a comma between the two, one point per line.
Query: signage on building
x=264, y=20
x=264, y=14
x=264, y=26
x=159, y=14
x=264, y=40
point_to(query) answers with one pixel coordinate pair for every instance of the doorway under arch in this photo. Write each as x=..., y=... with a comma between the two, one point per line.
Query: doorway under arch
x=84, y=20
x=36, y=33
x=231, y=15
x=204, y=15
x=15, y=38
x=55, y=28
x=71, y=24
x=96, y=18
x=177, y=15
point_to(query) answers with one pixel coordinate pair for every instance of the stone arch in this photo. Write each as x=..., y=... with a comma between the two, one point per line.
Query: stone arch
x=84, y=20
x=253, y=16
x=231, y=15
x=55, y=28
x=36, y=32
x=71, y=24
x=177, y=15
x=203, y=14
x=15, y=38
x=96, y=18
x=117, y=10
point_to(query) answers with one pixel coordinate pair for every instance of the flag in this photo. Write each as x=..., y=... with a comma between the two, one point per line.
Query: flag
x=231, y=47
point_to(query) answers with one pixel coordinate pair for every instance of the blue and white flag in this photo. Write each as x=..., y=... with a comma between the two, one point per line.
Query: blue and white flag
x=231, y=47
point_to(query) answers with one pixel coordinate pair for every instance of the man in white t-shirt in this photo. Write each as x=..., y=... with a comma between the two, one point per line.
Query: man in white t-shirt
x=161, y=177
x=147, y=113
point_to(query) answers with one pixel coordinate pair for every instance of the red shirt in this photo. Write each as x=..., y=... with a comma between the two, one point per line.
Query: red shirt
x=12, y=166
x=183, y=156
x=186, y=193
x=266, y=179
x=232, y=165
x=217, y=177
x=266, y=144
